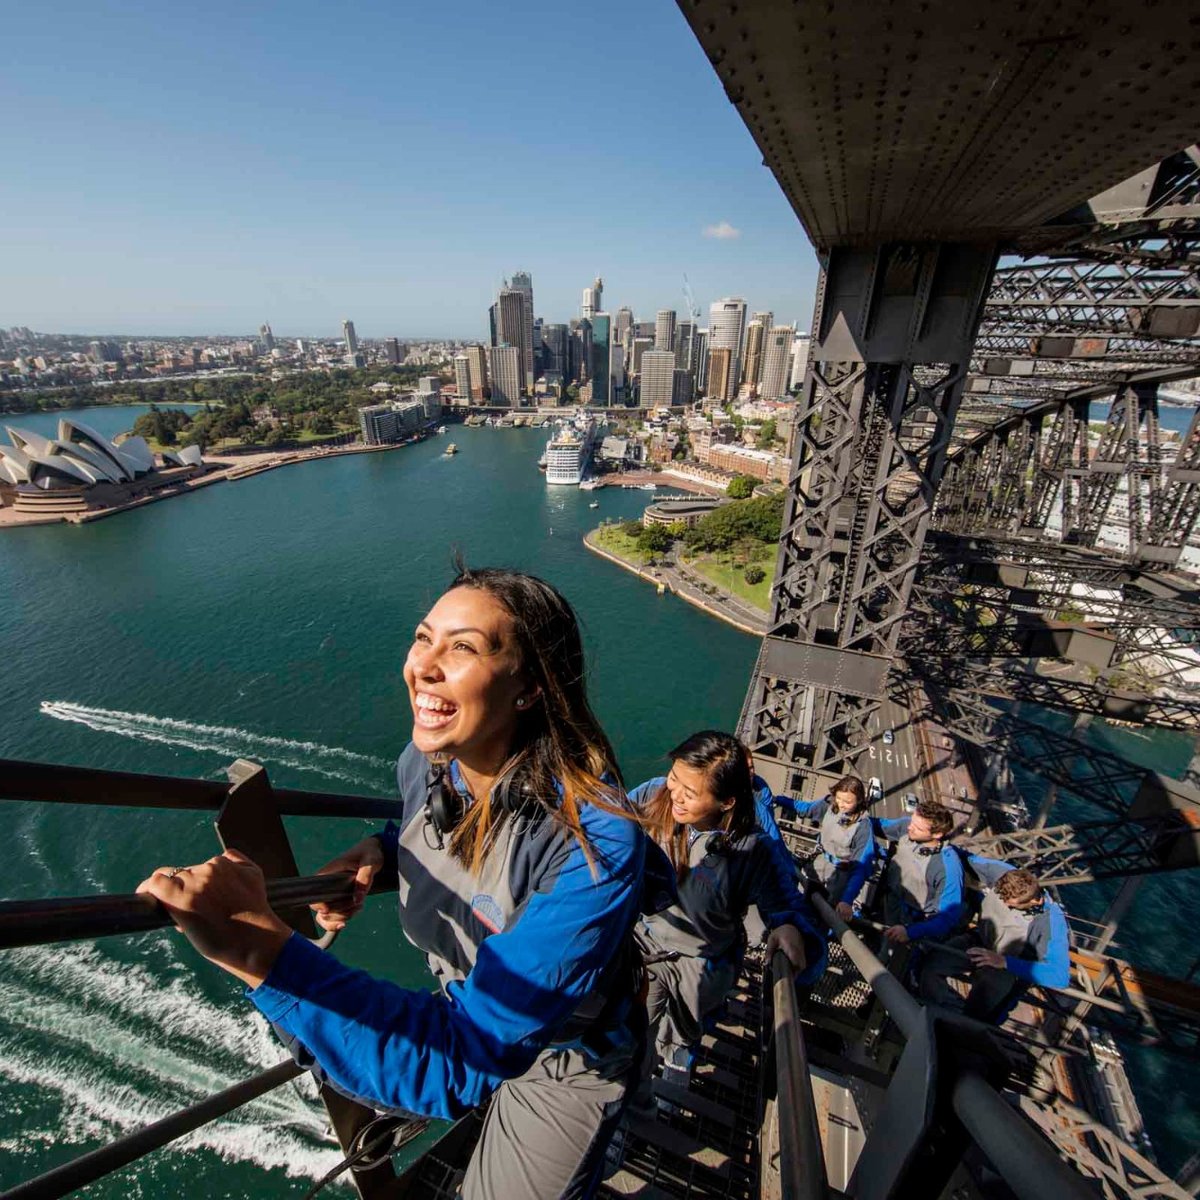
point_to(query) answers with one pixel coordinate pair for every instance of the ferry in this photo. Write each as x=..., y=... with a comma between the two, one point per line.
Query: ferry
x=451, y=449
x=569, y=451
x=594, y=504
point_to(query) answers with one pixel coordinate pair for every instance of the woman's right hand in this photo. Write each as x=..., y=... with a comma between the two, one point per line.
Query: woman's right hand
x=365, y=859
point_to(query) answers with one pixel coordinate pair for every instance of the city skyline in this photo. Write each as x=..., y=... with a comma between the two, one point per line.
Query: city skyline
x=207, y=186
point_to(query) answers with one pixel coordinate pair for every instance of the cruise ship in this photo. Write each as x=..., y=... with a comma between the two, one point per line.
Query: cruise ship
x=569, y=451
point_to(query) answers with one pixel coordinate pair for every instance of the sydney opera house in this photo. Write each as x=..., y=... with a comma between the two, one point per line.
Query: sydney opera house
x=56, y=474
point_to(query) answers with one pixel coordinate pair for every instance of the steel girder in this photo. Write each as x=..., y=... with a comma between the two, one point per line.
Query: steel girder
x=892, y=334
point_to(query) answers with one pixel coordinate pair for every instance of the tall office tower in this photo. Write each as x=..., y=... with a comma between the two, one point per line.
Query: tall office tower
x=727, y=331
x=462, y=378
x=800, y=347
x=616, y=371
x=593, y=299
x=658, y=378
x=752, y=362
x=601, y=348
x=644, y=329
x=720, y=373
x=685, y=339
x=555, y=350
x=681, y=391
x=504, y=366
x=777, y=356
x=623, y=330
x=351, y=338
x=477, y=358
x=268, y=338
x=700, y=356
x=511, y=329
x=638, y=352
x=522, y=281
x=493, y=325
x=539, y=364
x=393, y=350
x=664, y=329
x=581, y=351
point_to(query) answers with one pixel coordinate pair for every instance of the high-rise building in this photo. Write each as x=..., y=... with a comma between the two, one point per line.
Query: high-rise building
x=623, y=331
x=268, y=338
x=720, y=373
x=682, y=389
x=664, y=329
x=638, y=352
x=511, y=329
x=658, y=378
x=555, y=350
x=493, y=325
x=685, y=339
x=462, y=378
x=393, y=350
x=752, y=363
x=727, y=331
x=593, y=299
x=777, y=356
x=800, y=346
x=700, y=357
x=581, y=351
x=601, y=373
x=477, y=358
x=616, y=371
x=522, y=282
x=504, y=367
x=351, y=338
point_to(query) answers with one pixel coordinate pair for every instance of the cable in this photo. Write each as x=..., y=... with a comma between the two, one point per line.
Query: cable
x=399, y=1132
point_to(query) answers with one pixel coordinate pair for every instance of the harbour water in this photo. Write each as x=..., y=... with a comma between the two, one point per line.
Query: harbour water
x=269, y=619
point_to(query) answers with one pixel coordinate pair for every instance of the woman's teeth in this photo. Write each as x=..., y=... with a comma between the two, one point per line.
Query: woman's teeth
x=432, y=712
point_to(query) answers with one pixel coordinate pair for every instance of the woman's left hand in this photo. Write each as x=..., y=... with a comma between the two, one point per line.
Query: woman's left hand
x=221, y=905
x=790, y=940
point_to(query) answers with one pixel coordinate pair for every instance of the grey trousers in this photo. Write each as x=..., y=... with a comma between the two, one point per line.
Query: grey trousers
x=545, y=1132
x=992, y=992
x=830, y=876
x=683, y=991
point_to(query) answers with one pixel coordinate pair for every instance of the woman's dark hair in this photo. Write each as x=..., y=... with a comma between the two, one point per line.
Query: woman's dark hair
x=559, y=741
x=854, y=785
x=722, y=758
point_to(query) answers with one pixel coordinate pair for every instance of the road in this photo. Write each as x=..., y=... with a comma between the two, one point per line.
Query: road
x=898, y=767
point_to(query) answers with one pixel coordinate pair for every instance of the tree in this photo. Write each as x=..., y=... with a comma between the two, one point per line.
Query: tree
x=754, y=574
x=631, y=528
x=654, y=538
x=741, y=487
x=766, y=434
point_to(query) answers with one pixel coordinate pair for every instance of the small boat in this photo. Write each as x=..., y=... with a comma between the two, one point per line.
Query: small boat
x=441, y=429
x=647, y=487
x=451, y=449
x=594, y=504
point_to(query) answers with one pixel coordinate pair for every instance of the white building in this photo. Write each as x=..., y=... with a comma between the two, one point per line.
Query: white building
x=658, y=378
x=504, y=368
x=777, y=358
x=727, y=331
x=664, y=329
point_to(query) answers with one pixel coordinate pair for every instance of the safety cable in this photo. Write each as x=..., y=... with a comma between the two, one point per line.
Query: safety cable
x=399, y=1132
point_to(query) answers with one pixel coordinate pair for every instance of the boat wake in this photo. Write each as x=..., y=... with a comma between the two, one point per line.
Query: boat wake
x=107, y=1047
x=228, y=741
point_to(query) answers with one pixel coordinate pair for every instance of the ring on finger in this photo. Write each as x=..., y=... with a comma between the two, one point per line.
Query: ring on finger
x=173, y=871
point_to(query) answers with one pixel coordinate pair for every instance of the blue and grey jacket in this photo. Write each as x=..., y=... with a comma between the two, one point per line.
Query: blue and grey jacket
x=724, y=878
x=929, y=885
x=850, y=848
x=1036, y=946
x=533, y=954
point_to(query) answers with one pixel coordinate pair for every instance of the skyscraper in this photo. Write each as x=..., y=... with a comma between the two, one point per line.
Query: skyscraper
x=685, y=340
x=351, y=338
x=477, y=359
x=622, y=331
x=393, y=350
x=799, y=365
x=593, y=299
x=504, y=364
x=720, y=373
x=268, y=338
x=726, y=331
x=511, y=330
x=601, y=373
x=581, y=350
x=493, y=325
x=658, y=378
x=756, y=332
x=462, y=378
x=664, y=329
x=777, y=356
x=700, y=356
x=555, y=353
x=638, y=352
x=522, y=282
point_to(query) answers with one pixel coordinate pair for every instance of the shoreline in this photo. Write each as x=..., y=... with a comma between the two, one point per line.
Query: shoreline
x=667, y=589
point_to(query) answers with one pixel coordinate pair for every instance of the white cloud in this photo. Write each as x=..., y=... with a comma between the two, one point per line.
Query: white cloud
x=723, y=230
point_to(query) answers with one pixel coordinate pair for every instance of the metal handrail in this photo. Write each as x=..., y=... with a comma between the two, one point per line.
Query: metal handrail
x=1026, y=1162
x=87, y=1168
x=43, y=922
x=801, y=1158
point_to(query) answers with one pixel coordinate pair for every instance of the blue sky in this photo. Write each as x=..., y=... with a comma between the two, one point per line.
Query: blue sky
x=203, y=168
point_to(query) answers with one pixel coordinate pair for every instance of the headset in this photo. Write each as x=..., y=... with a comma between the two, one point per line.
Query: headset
x=512, y=795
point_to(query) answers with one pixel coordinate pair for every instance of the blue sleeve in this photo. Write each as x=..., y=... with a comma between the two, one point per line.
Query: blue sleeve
x=1055, y=969
x=810, y=808
x=441, y=1055
x=989, y=870
x=640, y=794
x=950, y=901
x=764, y=798
x=890, y=829
x=765, y=817
x=861, y=872
x=780, y=903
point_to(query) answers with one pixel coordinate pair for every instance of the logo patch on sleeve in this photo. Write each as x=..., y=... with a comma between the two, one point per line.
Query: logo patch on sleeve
x=487, y=911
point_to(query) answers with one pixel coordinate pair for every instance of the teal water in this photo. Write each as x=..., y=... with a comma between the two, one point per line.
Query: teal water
x=268, y=619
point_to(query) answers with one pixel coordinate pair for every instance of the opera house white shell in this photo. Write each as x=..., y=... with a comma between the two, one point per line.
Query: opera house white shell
x=80, y=457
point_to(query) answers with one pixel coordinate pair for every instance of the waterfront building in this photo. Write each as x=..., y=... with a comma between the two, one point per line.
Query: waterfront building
x=556, y=350
x=664, y=329
x=393, y=351
x=657, y=378
x=77, y=458
x=569, y=451
x=720, y=373
x=504, y=370
x=478, y=362
x=462, y=378
x=727, y=331
x=510, y=310
x=385, y=423
x=777, y=357
x=742, y=460
x=687, y=512
x=600, y=373
x=429, y=392
x=700, y=358
x=756, y=333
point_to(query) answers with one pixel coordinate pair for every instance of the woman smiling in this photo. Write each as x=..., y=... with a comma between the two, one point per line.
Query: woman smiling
x=520, y=877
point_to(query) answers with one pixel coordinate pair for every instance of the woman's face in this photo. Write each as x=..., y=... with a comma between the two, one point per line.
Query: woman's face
x=845, y=802
x=692, y=799
x=464, y=679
